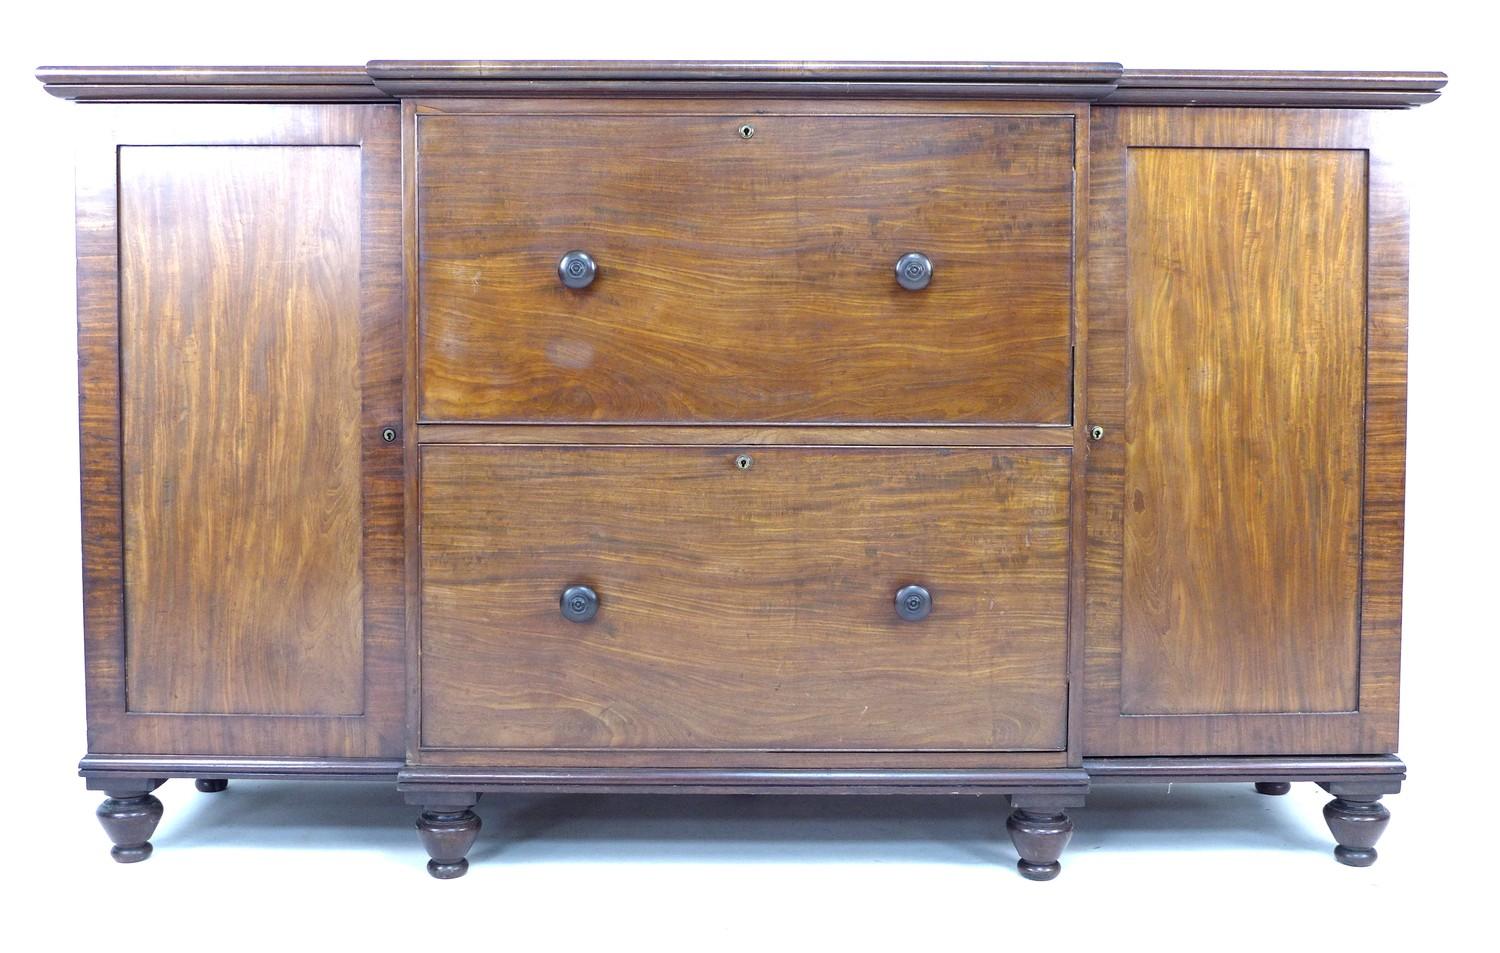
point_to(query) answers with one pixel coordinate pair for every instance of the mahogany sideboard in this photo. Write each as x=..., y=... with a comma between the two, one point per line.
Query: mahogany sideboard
x=988, y=428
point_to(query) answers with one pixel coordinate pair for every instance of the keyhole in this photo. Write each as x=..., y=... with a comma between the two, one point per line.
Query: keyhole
x=746, y=131
x=743, y=461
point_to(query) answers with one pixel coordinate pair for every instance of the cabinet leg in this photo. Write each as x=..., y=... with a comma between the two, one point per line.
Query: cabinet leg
x=448, y=830
x=1040, y=830
x=1356, y=823
x=1273, y=788
x=129, y=815
x=211, y=785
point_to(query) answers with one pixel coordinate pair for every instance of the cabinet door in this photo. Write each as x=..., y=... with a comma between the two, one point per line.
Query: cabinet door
x=1247, y=327
x=240, y=356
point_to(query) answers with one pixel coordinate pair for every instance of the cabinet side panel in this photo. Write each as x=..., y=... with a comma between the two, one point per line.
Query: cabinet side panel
x=1244, y=438
x=240, y=411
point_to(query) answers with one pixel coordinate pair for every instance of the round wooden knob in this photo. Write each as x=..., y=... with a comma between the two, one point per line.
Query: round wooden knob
x=577, y=269
x=913, y=603
x=579, y=603
x=914, y=271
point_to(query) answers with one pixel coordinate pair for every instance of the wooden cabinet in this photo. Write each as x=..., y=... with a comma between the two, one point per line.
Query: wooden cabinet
x=493, y=427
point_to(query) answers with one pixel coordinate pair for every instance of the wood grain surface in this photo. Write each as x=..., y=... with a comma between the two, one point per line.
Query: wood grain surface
x=1243, y=424
x=745, y=280
x=832, y=435
x=239, y=346
x=749, y=609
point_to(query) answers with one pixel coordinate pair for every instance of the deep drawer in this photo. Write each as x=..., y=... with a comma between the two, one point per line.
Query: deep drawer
x=746, y=279
x=745, y=607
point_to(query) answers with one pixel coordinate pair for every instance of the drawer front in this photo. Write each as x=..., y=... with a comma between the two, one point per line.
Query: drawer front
x=746, y=279
x=744, y=603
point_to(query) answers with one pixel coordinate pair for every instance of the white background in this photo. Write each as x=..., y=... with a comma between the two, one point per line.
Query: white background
x=1193, y=867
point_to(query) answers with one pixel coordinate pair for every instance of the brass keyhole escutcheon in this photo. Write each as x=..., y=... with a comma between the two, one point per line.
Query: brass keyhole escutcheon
x=747, y=131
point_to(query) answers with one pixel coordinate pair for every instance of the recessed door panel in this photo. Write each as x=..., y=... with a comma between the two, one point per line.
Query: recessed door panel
x=239, y=350
x=1244, y=408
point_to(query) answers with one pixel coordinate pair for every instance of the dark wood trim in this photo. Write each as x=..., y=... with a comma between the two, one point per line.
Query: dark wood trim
x=1367, y=80
x=781, y=71
x=1060, y=782
x=1384, y=769
x=751, y=434
x=670, y=88
x=109, y=766
x=734, y=758
x=896, y=80
x=205, y=75
x=1276, y=88
x=1077, y=496
x=725, y=103
x=387, y=80
x=166, y=93
x=410, y=359
x=305, y=84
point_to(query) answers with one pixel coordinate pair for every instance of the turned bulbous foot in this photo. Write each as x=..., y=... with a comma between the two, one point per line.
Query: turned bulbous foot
x=1039, y=871
x=1357, y=824
x=1040, y=834
x=130, y=818
x=1272, y=788
x=211, y=785
x=448, y=832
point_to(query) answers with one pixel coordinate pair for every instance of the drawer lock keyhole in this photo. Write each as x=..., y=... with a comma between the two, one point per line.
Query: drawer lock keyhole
x=747, y=131
x=743, y=461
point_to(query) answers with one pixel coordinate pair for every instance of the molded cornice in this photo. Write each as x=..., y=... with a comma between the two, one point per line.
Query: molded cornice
x=391, y=80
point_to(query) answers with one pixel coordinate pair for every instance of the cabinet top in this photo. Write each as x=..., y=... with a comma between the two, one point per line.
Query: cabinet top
x=391, y=80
